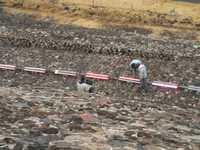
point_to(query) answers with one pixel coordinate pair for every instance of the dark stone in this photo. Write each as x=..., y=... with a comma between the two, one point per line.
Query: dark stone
x=35, y=132
x=50, y=130
x=63, y=145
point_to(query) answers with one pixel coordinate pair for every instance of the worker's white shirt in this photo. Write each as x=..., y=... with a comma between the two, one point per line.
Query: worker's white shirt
x=142, y=71
x=83, y=87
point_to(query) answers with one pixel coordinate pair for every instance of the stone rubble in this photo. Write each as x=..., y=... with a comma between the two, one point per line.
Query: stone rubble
x=45, y=112
x=25, y=125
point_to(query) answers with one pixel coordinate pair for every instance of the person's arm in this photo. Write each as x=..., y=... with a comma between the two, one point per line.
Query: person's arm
x=135, y=72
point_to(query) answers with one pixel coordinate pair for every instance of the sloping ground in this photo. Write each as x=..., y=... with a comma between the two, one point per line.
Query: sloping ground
x=27, y=42
x=44, y=112
x=159, y=13
x=57, y=119
x=190, y=1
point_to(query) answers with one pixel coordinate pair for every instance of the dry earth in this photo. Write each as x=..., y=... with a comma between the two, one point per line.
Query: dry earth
x=156, y=15
x=45, y=112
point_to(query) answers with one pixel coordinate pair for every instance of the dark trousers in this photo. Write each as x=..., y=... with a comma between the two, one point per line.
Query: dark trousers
x=144, y=84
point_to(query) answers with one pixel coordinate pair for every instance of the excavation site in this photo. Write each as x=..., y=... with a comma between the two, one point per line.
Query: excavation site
x=47, y=46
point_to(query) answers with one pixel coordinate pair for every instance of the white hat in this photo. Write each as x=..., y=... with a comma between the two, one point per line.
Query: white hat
x=135, y=61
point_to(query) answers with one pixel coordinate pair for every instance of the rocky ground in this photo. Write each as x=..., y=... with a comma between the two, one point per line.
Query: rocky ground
x=41, y=118
x=46, y=112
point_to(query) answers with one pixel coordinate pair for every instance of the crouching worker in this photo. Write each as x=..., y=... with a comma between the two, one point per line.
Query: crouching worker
x=140, y=71
x=84, y=85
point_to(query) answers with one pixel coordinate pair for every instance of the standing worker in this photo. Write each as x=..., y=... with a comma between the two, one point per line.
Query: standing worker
x=140, y=71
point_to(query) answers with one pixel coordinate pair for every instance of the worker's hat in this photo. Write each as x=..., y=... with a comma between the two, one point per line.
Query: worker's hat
x=135, y=61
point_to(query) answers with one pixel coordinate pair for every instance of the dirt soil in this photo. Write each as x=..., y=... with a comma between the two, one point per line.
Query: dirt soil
x=45, y=112
x=156, y=16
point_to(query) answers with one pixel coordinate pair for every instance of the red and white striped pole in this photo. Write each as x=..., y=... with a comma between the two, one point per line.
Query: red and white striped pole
x=97, y=76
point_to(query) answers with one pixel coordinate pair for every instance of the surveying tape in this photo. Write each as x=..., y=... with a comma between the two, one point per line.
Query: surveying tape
x=7, y=67
x=66, y=73
x=129, y=79
x=36, y=70
x=97, y=76
x=165, y=84
x=191, y=87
